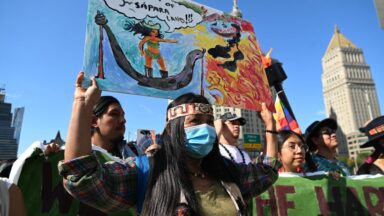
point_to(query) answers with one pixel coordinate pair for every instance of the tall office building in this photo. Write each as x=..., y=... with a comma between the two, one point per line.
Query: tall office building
x=17, y=122
x=8, y=145
x=348, y=89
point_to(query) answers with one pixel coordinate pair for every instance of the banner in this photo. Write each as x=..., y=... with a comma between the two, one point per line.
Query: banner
x=322, y=195
x=44, y=194
x=43, y=189
x=166, y=48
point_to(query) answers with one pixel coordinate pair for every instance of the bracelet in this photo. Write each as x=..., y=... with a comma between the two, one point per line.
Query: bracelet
x=271, y=131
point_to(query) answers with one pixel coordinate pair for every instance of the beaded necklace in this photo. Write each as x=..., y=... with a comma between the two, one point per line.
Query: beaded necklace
x=230, y=155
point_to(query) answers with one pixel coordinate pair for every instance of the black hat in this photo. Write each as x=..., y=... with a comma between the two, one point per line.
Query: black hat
x=313, y=129
x=228, y=116
x=374, y=131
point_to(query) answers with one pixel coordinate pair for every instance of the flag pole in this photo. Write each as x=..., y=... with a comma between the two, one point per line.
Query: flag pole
x=276, y=76
x=100, y=71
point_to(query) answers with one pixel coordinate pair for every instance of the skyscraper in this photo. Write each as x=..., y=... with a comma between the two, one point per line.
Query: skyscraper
x=17, y=122
x=8, y=145
x=348, y=89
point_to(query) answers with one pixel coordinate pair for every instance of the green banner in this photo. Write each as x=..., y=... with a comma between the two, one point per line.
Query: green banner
x=322, y=195
x=43, y=189
x=316, y=195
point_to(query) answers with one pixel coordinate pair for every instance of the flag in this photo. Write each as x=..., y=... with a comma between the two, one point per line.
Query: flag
x=284, y=119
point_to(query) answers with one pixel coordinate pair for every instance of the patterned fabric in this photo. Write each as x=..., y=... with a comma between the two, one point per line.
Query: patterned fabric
x=112, y=186
x=284, y=119
x=258, y=176
x=326, y=165
x=189, y=109
x=109, y=187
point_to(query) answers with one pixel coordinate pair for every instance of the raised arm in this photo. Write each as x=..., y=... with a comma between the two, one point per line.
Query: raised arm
x=270, y=131
x=79, y=131
x=168, y=40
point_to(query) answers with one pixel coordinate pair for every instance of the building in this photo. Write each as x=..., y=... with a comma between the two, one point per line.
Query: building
x=17, y=122
x=8, y=144
x=58, y=140
x=355, y=140
x=348, y=88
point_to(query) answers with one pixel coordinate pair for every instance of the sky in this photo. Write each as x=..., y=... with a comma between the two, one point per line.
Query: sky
x=42, y=43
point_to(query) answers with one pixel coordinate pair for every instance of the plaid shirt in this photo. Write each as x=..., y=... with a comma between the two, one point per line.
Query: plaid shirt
x=112, y=186
x=326, y=165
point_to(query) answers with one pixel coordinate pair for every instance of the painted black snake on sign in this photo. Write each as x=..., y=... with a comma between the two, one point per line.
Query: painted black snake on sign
x=174, y=82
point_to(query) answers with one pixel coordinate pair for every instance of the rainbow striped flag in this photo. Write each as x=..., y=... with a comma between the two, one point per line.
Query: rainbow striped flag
x=284, y=119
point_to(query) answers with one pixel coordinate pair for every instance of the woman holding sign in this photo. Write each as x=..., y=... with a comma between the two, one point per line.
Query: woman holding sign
x=187, y=176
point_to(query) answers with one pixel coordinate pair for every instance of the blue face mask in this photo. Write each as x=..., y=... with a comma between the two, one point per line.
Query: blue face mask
x=199, y=140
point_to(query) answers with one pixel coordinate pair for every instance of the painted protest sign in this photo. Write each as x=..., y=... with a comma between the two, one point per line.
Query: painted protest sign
x=43, y=189
x=322, y=195
x=165, y=48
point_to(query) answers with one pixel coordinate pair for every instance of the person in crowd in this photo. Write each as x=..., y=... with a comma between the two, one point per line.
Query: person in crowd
x=228, y=131
x=321, y=139
x=291, y=151
x=374, y=164
x=188, y=175
x=108, y=128
x=11, y=199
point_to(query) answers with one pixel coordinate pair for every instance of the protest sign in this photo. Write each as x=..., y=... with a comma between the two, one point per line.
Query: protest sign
x=43, y=189
x=322, y=195
x=166, y=48
x=44, y=194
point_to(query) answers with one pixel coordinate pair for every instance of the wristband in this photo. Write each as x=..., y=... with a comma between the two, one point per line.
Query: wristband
x=271, y=131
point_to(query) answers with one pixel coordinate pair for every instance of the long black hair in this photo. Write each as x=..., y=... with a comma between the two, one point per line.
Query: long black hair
x=140, y=28
x=169, y=175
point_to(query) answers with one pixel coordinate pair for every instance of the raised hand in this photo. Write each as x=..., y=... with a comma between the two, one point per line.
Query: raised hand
x=267, y=117
x=51, y=148
x=100, y=19
x=90, y=95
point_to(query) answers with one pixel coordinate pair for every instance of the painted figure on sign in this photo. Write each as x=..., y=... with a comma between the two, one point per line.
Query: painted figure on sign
x=167, y=83
x=151, y=38
x=230, y=52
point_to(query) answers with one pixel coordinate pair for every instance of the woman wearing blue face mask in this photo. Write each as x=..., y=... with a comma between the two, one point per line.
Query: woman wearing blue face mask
x=187, y=176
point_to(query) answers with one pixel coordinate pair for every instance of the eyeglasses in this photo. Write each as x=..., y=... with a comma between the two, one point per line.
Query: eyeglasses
x=295, y=147
x=327, y=131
